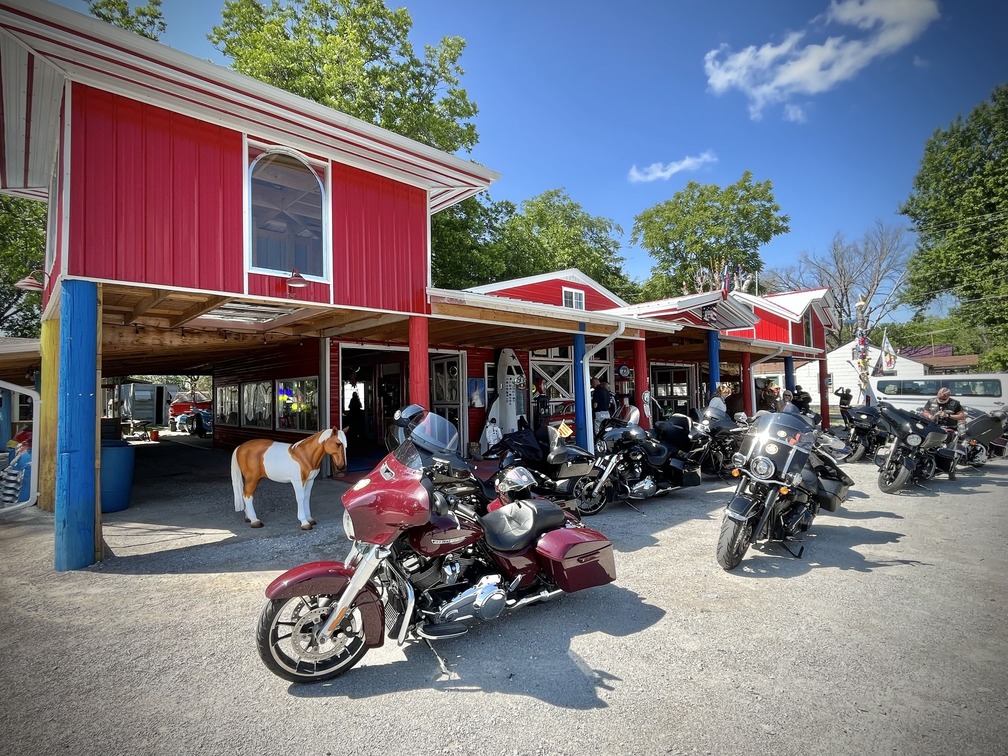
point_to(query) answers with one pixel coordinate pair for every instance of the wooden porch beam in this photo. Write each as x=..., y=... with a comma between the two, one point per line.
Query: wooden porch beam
x=153, y=300
x=196, y=310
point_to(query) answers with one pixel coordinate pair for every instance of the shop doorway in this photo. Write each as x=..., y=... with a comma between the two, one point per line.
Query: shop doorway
x=672, y=386
x=374, y=384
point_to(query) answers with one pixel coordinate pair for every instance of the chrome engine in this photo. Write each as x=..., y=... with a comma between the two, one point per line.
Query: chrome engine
x=642, y=489
x=485, y=601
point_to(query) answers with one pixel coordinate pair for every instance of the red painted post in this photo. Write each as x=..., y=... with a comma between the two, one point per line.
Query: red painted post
x=419, y=361
x=642, y=380
x=748, y=387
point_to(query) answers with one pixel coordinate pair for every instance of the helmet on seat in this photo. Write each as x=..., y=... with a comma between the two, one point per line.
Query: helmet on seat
x=515, y=484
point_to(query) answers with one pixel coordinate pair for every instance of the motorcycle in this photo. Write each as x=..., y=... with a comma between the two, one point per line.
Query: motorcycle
x=865, y=434
x=423, y=566
x=723, y=437
x=976, y=436
x=786, y=475
x=557, y=466
x=631, y=463
x=917, y=449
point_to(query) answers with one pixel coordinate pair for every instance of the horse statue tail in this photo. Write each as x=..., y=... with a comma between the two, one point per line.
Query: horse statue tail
x=237, y=482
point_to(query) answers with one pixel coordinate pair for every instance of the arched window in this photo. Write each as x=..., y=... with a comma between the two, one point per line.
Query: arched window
x=287, y=203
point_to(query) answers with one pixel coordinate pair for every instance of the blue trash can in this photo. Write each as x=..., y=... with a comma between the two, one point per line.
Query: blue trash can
x=117, y=459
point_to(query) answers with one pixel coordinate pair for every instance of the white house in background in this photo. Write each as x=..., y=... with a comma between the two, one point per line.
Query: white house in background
x=841, y=367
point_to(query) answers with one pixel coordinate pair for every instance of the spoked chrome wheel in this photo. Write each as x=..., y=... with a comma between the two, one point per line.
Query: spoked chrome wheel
x=287, y=643
x=590, y=496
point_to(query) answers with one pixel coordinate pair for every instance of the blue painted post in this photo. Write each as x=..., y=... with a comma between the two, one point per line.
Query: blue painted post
x=789, y=382
x=581, y=434
x=714, y=360
x=6, y=415
x=75, y=427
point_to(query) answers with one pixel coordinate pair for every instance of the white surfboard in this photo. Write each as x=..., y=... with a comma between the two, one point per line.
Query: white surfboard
x=509, y=403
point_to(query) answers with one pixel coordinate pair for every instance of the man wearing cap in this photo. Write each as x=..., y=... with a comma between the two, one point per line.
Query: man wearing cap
x=944, y=410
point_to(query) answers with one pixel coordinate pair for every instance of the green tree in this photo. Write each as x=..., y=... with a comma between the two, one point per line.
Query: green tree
x=145, y=20
x=959, y=209
x=704, y=230
x=467, y=244
x=22, y=250
x=354, y=56
x=930, y=330
x=553, y=232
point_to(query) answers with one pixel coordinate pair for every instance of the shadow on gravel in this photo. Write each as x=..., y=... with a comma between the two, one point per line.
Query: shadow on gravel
x=826, y=545
x=511, y=655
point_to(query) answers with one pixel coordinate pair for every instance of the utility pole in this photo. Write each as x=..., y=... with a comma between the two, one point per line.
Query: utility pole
x=862, y=348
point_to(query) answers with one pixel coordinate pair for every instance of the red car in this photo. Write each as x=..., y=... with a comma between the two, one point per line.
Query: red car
x=182, y=403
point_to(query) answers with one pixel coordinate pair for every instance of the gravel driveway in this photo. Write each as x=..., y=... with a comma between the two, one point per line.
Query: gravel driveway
x=889, y=636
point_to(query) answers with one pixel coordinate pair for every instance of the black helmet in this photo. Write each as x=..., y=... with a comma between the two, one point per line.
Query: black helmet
x=514, y=484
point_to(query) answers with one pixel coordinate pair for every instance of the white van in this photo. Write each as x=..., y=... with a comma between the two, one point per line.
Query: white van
x=977, y=392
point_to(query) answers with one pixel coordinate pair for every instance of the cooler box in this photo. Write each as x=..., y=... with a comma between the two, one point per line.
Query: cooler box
x=577, y=558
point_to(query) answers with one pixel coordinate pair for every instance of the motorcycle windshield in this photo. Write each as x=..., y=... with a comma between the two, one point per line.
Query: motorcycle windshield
x=434, y=434
x=784, y=438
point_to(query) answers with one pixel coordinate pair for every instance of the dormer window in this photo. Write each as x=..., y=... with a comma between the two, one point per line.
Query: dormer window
x=287, y=206
x=573, y=298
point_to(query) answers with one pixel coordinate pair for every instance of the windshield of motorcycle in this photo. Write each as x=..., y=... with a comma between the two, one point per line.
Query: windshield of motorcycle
x=715, y=418
x=783, y=438
x=432, y=434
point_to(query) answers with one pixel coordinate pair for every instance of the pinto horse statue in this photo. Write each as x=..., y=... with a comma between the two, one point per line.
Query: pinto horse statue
x=297, y=464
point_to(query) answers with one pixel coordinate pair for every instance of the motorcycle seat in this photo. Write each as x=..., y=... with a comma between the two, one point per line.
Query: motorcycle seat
x=517, y=525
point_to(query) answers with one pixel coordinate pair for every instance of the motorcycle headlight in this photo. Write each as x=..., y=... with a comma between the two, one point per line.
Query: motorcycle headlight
x=913, y=440
x=348, y=525
x=762, y=468
x=738, y=459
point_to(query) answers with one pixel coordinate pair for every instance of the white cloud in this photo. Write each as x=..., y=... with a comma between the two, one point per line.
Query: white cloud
x=665, y=171
x=775, y=73
x=794, y=113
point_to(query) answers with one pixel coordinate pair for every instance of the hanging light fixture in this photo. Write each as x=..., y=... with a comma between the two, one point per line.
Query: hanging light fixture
x=31, y=282
x=296, y=280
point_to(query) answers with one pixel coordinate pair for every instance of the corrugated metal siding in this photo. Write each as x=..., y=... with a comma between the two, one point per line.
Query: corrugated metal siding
x=818, y=332
x=156, y=196
x=772, y=327
x=551, y=292
x=379, y=241
x=263, y=285
x=798, y=334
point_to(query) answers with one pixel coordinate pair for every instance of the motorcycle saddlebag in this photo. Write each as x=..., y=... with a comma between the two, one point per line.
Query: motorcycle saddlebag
x=945, y=459
x=690, y=476
x=831, y=493
x=576, y=558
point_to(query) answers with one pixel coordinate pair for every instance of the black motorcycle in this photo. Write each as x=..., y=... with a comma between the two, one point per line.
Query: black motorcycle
x=720, y=436
x=917, y=451
x=976, y=436
x=786, y=475
x=556, y=465
x=865, y=431
x=631, y=463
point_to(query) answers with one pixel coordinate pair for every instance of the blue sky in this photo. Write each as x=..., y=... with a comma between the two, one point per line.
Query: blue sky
x=622, y=104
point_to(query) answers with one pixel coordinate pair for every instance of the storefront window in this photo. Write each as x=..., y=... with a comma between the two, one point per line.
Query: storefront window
x=226, y=405
x=257, y=405
x=297, y=404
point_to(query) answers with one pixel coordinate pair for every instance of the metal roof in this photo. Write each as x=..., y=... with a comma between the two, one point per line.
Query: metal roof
x=45, y=45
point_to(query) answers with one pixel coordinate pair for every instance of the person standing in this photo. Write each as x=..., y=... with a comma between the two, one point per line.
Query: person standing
x=601, y=400
x=720, y=399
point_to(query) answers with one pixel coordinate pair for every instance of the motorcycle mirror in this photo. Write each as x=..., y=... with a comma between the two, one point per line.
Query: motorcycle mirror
x=741, y=417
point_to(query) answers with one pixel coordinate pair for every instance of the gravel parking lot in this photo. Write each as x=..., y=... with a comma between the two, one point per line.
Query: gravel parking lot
x=889, y=636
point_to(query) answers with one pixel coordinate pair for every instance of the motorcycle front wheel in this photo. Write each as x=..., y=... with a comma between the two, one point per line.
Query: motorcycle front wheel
x=590, y=498
x=891, y=480
x=285, y=638
x=858, y=449
x=733, y=542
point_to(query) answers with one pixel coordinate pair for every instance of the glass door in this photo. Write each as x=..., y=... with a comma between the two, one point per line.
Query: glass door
x=446, y=389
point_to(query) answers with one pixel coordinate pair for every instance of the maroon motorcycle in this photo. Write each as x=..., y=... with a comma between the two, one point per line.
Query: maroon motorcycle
x=424, y=564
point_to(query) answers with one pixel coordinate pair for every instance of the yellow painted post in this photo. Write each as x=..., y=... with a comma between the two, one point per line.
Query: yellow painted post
x=50, y=344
